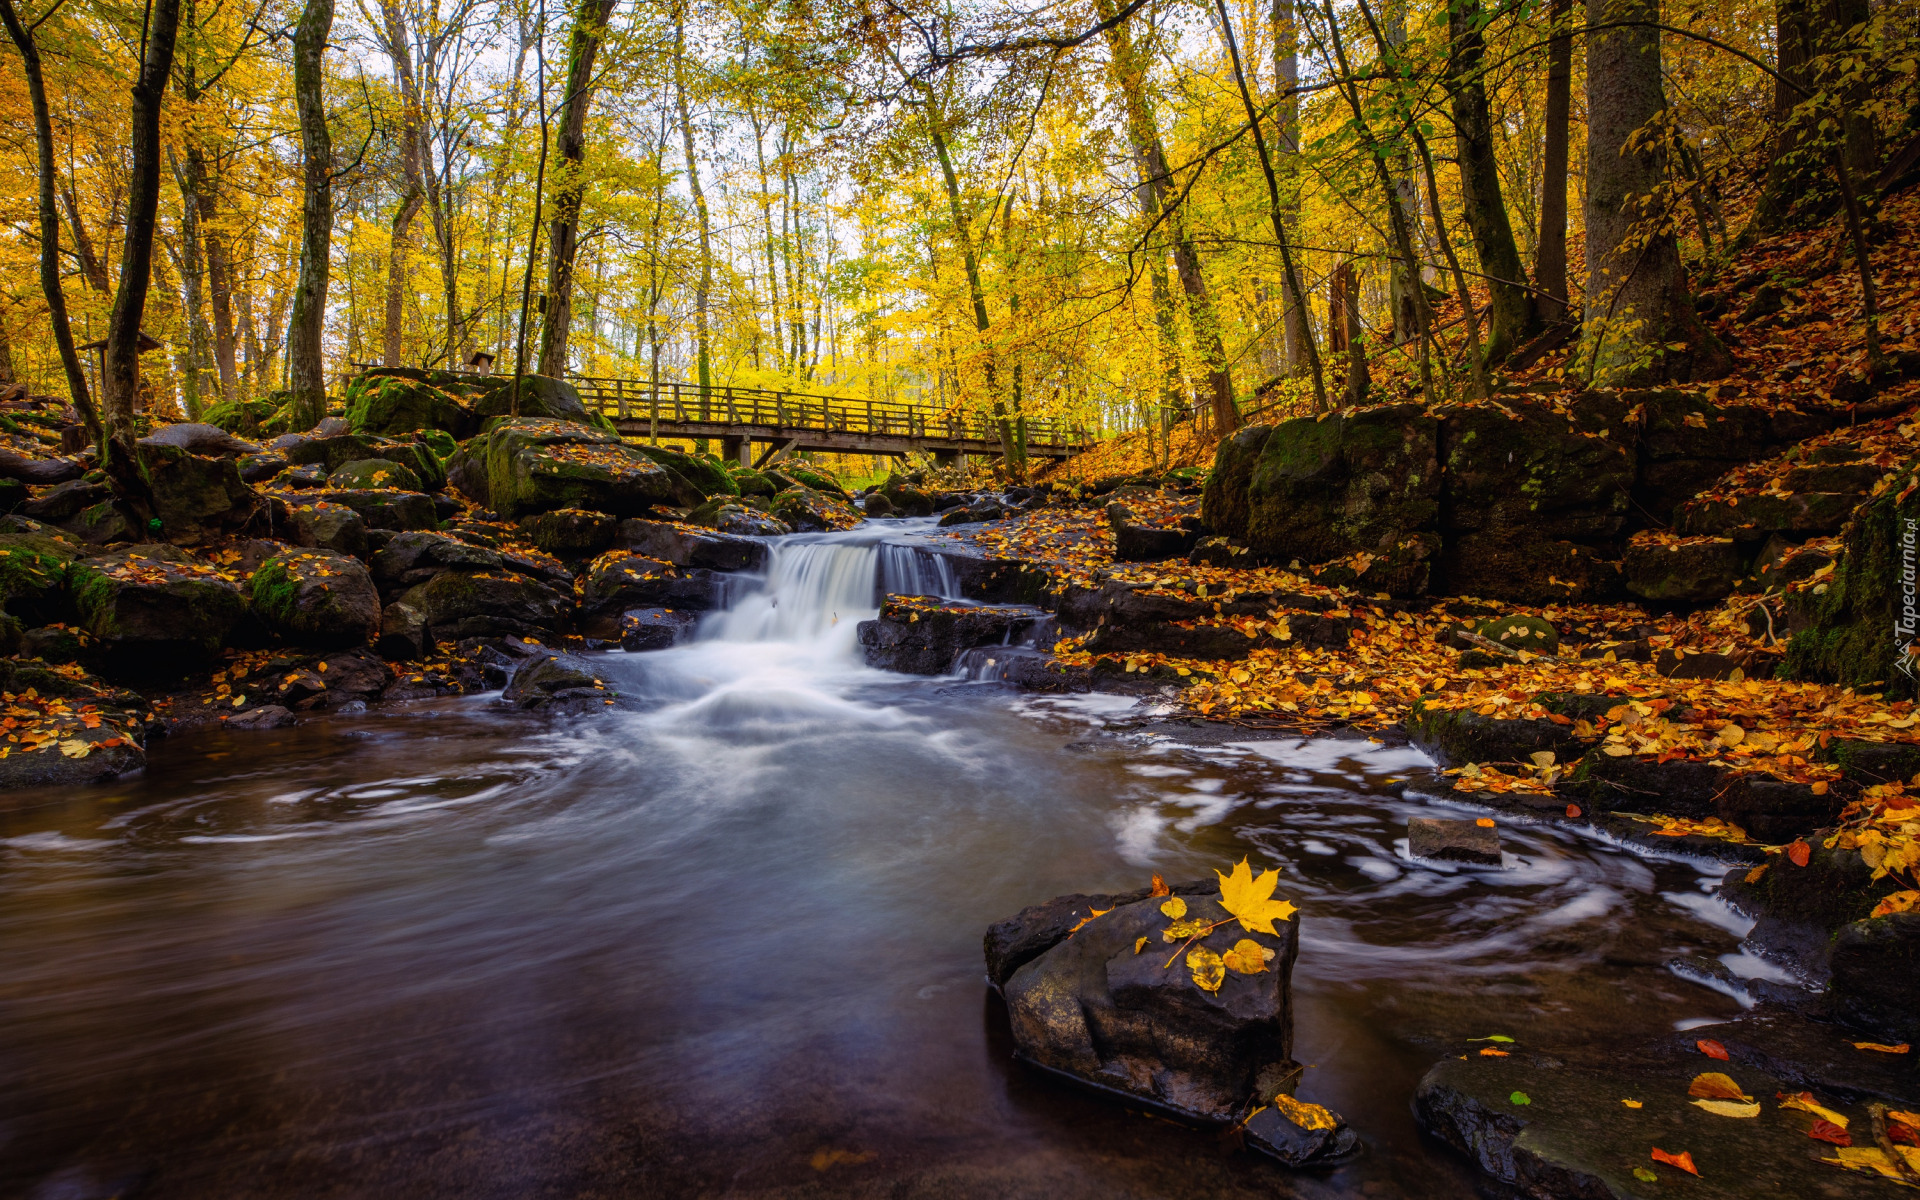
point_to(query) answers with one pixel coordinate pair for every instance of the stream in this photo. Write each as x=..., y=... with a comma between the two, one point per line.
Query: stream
x=730, y=944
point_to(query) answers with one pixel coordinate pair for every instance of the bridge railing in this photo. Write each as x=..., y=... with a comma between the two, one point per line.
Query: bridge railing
x=685, y=403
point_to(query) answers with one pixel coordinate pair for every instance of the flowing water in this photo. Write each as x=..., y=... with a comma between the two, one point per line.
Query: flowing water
x=729, y=945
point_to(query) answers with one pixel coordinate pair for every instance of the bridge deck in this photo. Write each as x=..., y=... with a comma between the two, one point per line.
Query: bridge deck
x=786, y=421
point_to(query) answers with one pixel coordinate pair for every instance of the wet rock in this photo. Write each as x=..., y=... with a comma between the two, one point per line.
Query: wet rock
x=384, y=508
x=1872, y=762
x=150, y=613
x=463, y=604
x=1453, y=840
x=353, y=676
x=415, y=556
x=1092, y=1009
x=316, y=597
x=1689, y=572
x=877, y=505
x=374, y=473
x=33, y=574
x=685, y=547
x=1457, y=736
x=808, y=511
x=55, y=644
x=618, y=581
x=725, y=517
x=403, y=633
x=1535, y=635
x=1797, y=911
x=536, y=466
x=1323, y=1140
x=1224, y=504
x=656, y=628
x=330, y=526
x=267, y=716
x=1630, y=783
x=1776, y=811
x=1876, y=976
x=558, y=683
x=1573, y=1139
x=571, y=532
x=703, y=473
x=916, y=636
x=1333, y=488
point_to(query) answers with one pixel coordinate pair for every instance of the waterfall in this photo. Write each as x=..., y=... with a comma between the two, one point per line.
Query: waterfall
x=912, y=571
x=814, y=591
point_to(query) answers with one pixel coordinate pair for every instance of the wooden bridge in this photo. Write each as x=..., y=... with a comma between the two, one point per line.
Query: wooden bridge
x=739, y=418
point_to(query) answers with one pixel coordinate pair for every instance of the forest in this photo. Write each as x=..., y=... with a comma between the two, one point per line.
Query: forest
x=1121, y=215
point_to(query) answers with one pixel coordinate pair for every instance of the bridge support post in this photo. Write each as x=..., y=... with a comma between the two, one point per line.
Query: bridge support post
x=949, y=458
x=737, y=449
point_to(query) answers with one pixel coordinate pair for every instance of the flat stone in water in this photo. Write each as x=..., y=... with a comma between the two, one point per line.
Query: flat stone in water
x=1453, y=841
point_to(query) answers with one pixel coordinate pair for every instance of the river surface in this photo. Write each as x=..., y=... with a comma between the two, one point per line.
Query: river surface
x=730, y=944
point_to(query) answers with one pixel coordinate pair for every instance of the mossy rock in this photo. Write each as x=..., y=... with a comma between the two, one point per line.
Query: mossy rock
x=33, y=576
x=819, y=481
x=1852, y=628
x=374, y=473
x=725, y=516
x=1535, y=635
x=704, y=473
x=316, y=597
x=151, y=614
x=1331, y=488
x=754, y=483
x=539, y=465
x=1683, y=573
x=1457, y=736
x=332, y=453
x=540, y=398
x=572, y=532
x=806, y=510
x=235, y=416
x=395, y=401
x=460, y=604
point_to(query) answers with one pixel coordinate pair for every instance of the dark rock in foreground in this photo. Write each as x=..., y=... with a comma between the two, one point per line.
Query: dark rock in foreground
x=919, y=637
x=558, y=683
x=1453, y=841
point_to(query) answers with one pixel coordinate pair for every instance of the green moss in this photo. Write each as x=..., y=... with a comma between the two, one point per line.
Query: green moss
x=273, y=590
x=1848, y=635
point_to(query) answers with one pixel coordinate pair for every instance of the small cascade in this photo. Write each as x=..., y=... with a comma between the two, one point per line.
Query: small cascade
x=813, y=591
x=914, y=571
x=995, y=664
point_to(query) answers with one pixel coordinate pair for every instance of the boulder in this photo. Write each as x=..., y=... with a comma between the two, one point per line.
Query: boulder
x=1799, y=911
x=349, y=677
x=656, y=628
x=1776, y=811
x=917, y=636
x=805, y=510
x=374, y=473
x=1224, y=504
x=102, y=525
x=819, y=481
x=195, y=497
x=152, y=614
x=736, y=519
x=403, y=633
x=984, y=508
x=329, y=525
x=1095, y=1009
x=1531, y=496
x=1457, y=736
x=876, y=504
x=1842, y=627
x=1686, y=572
x=387, y=402
x=332, y=453
x=55, y=644
x=463, y=604
x=38, y=471
x=197, y=438
x=557, y=683
x=467, y=474
x=538, y=465
x=1345, y=485
x=572, y=532
x=1631, y=783
x=259, y=468
x=1876, y=975
x=684, y=547
x=316, y=597
x=387, y=508
x=1448, y=840
x=267, y=716
x=619, y=581
x=413, y=557
x=1145, y=543
x=908, y=500
x=1535, y=635
x=708, y=477
x=33, y=575
x=63, y=502
x=541, y=398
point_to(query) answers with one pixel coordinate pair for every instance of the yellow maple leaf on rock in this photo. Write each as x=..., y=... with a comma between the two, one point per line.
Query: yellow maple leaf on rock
x=1252, y=900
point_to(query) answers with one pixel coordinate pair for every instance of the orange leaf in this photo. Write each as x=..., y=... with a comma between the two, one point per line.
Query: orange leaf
x=1683, y=1160
x=1490, y=1052
x=1827, y=1131
x=1160, y=888
x=1902, y=1048
x=1573, y=810
x=1712, y=1085
x=1712, y=1049
x=1799, y=853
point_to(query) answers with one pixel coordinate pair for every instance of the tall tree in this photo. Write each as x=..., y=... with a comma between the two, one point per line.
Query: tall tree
x=563, y=238
x=121, y=382
x=1550, y=254
x=23, y=40
x=1640, y=321
x=412, y=185
x=1285, y=32
x=704, y=290
x=306, y=368
x=1511, y=307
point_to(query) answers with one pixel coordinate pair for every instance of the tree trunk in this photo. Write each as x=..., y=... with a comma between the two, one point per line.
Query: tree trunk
x=1337, y=311
x=1286, y=79
x=219, y=269
x=1405, y=296
x=1359, y=381
x=1511, y=307
x=92, y=268
x=122, y=357
x=1638, y=302
x=705, y=287
x=1550, y=255
x=564, y=234
x=306, y=368
x=50, y=221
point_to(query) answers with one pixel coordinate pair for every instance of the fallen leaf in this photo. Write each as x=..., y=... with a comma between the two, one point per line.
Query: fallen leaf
x=1712, y=1085
x=1175, y=908
x=1898, y=902
x=1631, y=1103
x=1683, y=1160
x=1306, y=1116
x=1712, y=1049
x=1180, y=931
x=1247, y=957
x=823, y=1159
x=1485, y=822
x=1251, y=899
x=1804, y=1102
x=1209, y=970
x=1573, y=810
x=1490, y=1052
x=1874, y=1159
x=1728, y=1108
x=1902, y=1048
x=1521, y=1098
x=1502, y=1038
x=1159, y=888
x=1139, y=945
x=1644, y=1175
x=1827, y=1131
x=1098, y=912
x=75, y=748
x=1798, y=853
